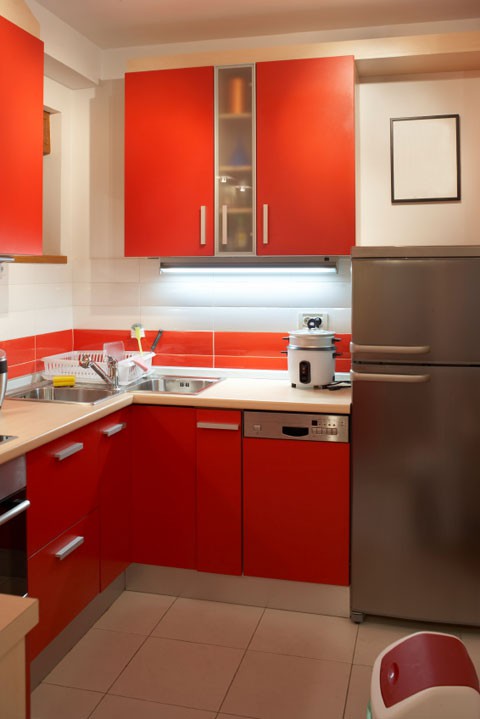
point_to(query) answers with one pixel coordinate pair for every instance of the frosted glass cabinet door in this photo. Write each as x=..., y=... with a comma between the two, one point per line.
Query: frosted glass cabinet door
x=234, y=166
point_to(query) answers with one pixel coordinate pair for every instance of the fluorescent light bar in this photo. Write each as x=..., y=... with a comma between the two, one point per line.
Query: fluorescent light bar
x=248, y=265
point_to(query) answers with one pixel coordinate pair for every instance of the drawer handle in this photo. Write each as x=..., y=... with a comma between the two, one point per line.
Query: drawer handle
x=114, y=429
x=217, y=425
x=265, y=224
x=68, y=451
x=14, y=512
x=403, y=378
x=69, y=548
x=203, y=215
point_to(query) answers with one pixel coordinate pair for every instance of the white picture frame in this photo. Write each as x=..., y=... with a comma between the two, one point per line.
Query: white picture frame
x=425, y=158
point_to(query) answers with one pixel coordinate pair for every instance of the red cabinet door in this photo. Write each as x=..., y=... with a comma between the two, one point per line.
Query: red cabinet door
x=296, y=510
x=21, y=140
x=163, y=486
x=64, y=576
x=169, y=162
x=305, y=156
x=62, y=485
x=219, y=491
x=113, y=466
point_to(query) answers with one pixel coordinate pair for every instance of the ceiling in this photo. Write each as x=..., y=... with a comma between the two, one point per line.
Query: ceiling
x=124, y=23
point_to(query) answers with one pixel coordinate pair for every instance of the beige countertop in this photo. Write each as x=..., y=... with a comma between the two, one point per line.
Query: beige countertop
x=35, y=423
x=17, y=616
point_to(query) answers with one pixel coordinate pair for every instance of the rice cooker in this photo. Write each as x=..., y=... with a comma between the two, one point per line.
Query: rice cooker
x=311, y=356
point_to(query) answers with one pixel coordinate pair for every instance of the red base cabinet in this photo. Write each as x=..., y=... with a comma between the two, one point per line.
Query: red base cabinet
x=64, y=577
x=113, y=464
x=296, y=510
x=21, y=140
x=306, y=156
x=163, y=486
x=219, y=491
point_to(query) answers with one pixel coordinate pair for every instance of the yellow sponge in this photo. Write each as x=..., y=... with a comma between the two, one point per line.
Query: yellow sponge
x=67, y=380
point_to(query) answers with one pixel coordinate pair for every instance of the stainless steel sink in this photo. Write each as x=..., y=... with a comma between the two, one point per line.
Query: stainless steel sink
x=83, y=395
x=175, y=385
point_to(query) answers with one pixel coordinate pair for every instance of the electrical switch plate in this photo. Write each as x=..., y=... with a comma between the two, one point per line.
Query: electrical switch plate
x=305, y=316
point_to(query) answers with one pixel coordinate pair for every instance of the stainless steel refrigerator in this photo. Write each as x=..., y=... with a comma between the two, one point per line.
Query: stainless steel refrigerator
x=416, y=433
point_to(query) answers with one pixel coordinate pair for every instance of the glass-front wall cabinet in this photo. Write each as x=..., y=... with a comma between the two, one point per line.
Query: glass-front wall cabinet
x=234, y=160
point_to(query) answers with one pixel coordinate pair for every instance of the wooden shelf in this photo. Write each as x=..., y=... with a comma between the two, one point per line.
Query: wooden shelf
x=41, y=259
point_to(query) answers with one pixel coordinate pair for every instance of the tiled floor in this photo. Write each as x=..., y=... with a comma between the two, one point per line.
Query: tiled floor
x=156, y=657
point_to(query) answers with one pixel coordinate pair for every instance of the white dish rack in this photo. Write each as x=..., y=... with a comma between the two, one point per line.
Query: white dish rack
x=68, y=364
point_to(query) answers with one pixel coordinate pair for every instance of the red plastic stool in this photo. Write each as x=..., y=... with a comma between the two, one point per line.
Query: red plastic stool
x=425, y=676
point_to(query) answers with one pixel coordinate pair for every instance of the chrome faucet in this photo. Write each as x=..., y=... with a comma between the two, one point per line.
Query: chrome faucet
x=111, y=378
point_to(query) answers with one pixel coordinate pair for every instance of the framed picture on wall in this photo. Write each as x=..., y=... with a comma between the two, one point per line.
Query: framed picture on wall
x=425, y=158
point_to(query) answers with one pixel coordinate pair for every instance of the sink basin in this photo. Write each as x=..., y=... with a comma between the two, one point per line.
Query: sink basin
x=175, y=385
x=48, y=393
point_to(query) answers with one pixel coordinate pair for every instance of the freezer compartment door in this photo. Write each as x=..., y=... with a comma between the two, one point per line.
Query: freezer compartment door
x=416, y=310
x=416, y=493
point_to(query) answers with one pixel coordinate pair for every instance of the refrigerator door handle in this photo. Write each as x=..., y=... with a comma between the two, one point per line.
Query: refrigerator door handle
x=390, y=349
x=376, y=377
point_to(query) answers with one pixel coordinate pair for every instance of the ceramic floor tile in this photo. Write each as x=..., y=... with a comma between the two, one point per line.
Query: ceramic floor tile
x=305, y=635
x=358, y=692
x=135, y=612
x=112, y=707
x=228, y=625
x=180, y=673
x=275, y=686
x=52, y=702
x=96, y=661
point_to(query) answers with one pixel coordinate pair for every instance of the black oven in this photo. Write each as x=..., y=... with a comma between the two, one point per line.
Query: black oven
x=13, y=527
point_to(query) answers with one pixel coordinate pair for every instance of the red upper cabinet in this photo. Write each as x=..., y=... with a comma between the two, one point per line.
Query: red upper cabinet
x=21, y=140
x=305, y=157
x=169, y=161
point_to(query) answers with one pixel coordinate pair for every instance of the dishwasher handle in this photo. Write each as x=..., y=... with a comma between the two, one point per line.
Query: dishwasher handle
x=295, y=431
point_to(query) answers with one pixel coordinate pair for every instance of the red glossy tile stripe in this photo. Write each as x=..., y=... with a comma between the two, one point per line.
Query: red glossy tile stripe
x=54, y=343
x=265, y=344
x=19, y=351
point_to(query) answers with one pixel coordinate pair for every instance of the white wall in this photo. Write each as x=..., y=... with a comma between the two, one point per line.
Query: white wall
x=380, y=222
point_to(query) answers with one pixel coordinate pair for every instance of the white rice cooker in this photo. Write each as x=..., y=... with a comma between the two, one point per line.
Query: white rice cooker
x=311, y=356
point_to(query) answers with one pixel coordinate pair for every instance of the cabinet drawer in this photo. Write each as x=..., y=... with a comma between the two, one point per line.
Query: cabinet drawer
x=62, y=486
x=64, y=576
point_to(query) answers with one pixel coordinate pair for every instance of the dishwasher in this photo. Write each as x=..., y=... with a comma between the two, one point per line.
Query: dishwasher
x=296, y=496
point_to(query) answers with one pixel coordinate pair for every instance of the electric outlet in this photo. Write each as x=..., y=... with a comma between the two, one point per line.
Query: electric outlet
x=305, y=316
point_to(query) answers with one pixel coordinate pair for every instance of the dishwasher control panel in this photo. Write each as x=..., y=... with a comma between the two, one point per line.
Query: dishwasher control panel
x=299, y=426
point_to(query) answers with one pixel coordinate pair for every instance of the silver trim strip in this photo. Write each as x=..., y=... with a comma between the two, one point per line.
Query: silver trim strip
x=68, y=451
x=114, y=429
x=224, y=225
x=390, y=349
x=69, y=548
x=375, y=377
x=217, y=425
x=14, y=512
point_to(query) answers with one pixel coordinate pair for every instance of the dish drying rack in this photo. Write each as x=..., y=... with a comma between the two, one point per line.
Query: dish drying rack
x=68, y=364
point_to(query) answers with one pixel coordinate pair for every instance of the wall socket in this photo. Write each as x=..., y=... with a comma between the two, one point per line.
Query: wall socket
x=305, y=316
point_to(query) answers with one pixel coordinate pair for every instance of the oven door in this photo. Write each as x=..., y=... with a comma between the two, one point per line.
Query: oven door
x=13, y=528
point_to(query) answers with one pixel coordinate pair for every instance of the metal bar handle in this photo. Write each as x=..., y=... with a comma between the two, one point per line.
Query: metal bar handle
x=14, y=512
x=217, y=425
x=68, y=451
x=69, y=548
x=203, y=216
x=402, y=378
x=265, y=224
x=390, y=349
x=114, y=429
x=224, y=224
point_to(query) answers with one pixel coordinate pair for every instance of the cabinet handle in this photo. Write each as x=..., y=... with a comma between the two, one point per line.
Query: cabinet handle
x=114, y=429
x=203, y=217
x=265, y=224
x=217, y=425
x=403, y=378
x=14, y=512
x=68, y=451
x=224, y=225
x=390, y=349
x=69, y=548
